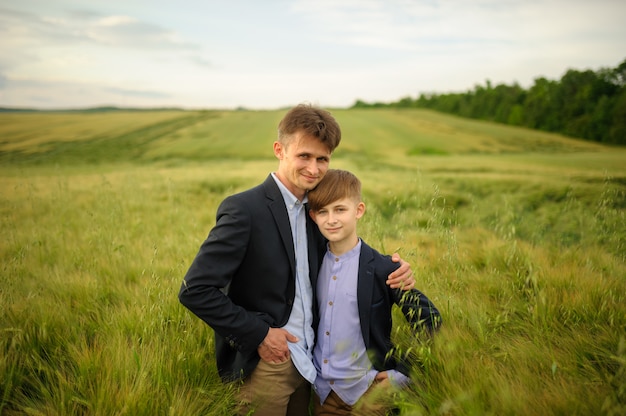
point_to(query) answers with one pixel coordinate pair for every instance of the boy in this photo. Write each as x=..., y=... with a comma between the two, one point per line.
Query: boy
x=352, y=352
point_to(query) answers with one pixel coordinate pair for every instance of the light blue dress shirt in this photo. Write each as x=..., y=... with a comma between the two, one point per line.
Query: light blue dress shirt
x=300, y=323
x=340, y=357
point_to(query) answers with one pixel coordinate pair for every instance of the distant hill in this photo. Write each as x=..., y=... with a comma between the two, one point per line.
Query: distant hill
x=85, y=110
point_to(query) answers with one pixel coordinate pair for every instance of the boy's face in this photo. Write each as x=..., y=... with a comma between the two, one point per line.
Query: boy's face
x=337, y=220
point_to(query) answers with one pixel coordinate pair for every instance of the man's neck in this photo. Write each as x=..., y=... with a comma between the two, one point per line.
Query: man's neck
x=298, y=193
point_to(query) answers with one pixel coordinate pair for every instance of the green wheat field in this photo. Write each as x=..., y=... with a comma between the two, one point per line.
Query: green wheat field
x=518, y=236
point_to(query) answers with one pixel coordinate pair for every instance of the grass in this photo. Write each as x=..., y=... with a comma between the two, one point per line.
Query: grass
x=517, y=236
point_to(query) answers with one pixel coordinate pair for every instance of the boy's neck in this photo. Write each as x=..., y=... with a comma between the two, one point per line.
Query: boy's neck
x=341, y=247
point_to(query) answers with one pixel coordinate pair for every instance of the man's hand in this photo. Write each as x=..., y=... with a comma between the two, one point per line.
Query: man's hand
x=274, y=347
x=402, y=277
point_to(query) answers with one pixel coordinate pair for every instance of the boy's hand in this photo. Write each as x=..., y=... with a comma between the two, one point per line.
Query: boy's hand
x=382, y=375
x=402, y=277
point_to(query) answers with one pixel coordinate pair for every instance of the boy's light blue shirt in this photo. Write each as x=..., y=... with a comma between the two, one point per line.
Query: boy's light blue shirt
x=340, y=357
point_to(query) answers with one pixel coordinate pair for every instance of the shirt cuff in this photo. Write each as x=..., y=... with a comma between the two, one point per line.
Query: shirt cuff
x=397, y=379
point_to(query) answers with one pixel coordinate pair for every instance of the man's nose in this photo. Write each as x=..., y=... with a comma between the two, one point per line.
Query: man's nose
x=313, y=167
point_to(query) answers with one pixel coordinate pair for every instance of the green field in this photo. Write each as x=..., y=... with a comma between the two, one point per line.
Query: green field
x=517, y=236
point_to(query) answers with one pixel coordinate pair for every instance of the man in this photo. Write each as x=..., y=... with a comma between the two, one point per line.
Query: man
x=252, y=278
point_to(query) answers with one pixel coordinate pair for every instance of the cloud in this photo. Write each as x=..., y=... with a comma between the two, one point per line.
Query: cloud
x=453, y=44
x=54, y=94
x=137, y=93
x=128, y=32
x=115, y=56
x=430, y=26
x=86, y=26
x=200, y=61
x=392, y=24
x=32, y=41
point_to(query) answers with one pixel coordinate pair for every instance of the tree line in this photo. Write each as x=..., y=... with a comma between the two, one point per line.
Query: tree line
x=585, y=104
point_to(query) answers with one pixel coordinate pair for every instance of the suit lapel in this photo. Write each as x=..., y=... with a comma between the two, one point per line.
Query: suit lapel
x=276, y=205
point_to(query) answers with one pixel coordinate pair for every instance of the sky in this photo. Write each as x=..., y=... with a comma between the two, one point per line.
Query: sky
x=58, y=54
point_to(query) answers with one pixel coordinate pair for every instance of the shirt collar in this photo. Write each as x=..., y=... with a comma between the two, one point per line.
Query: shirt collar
x=290, y=199
x=345, y=256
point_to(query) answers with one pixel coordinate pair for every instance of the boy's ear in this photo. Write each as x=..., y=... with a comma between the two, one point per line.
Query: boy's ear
x=312, y=214
x=360, y=210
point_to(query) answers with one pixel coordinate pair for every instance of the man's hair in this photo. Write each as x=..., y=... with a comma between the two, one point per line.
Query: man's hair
x=335, y=185
x=312, y=121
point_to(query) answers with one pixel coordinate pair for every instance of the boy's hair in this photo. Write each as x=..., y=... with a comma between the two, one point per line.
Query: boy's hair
x=313, y=121
x=335, y=185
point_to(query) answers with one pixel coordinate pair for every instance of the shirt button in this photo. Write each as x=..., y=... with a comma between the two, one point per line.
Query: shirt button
x=330, y=303
x=327, y=333
x=334, y=277
x=325, y=361
x=331, y=382
x=336, y=259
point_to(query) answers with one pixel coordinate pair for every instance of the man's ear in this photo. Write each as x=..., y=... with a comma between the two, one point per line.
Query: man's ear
x=278, y=150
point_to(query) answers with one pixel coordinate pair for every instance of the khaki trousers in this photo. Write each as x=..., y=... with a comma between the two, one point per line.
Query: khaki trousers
x=274, y=390
x=376, y=401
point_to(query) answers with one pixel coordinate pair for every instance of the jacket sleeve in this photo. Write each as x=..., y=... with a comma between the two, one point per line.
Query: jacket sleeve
x=205, y=285
x=418, y=310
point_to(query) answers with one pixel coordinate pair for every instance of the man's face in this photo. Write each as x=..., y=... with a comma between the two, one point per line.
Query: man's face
x=303, y=163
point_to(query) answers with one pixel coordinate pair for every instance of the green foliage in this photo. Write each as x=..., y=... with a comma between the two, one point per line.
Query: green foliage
x=516, y=235
x=586, y=104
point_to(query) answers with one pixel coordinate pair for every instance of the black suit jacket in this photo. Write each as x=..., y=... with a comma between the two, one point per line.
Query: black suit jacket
x=375, y=300
x=242, y=281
